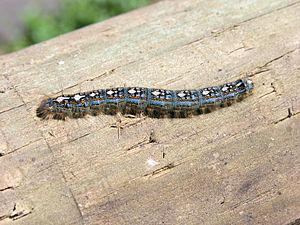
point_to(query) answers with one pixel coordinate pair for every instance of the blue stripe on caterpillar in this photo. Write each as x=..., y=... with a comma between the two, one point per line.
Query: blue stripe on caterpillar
x=152, y=102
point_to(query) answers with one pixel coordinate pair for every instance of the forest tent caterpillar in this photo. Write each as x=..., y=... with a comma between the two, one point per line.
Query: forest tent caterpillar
x=152, y=102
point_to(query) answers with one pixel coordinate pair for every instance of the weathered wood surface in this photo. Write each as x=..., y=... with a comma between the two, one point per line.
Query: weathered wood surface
x=238, y=165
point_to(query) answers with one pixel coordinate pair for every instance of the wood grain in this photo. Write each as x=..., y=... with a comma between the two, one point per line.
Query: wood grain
x=238, y=165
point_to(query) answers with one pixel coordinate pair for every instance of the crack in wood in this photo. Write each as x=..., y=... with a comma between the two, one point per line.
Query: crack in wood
x=265, y=95
x=138, y=145
x=264, y=68
x=290, y=114
x=18, y=212
x=82, y=136
x=257, y=71
x=19, y=215
x=10, y=109
x=254, y=199
x=21, y=147
x=7, y=188
x=162, y=169
x=279, y=57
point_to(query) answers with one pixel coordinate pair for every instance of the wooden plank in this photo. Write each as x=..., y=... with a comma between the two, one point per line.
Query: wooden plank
x=238, y=165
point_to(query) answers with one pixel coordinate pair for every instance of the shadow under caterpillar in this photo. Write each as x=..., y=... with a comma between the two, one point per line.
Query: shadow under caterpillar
x=152, y=102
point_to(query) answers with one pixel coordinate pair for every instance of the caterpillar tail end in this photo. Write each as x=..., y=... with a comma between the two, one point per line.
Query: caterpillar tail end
x=43, y=110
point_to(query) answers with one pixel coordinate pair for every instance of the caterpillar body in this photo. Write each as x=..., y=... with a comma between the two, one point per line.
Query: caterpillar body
x=152, y=102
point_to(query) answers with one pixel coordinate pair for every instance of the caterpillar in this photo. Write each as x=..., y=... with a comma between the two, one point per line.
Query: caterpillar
x=152, y=102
